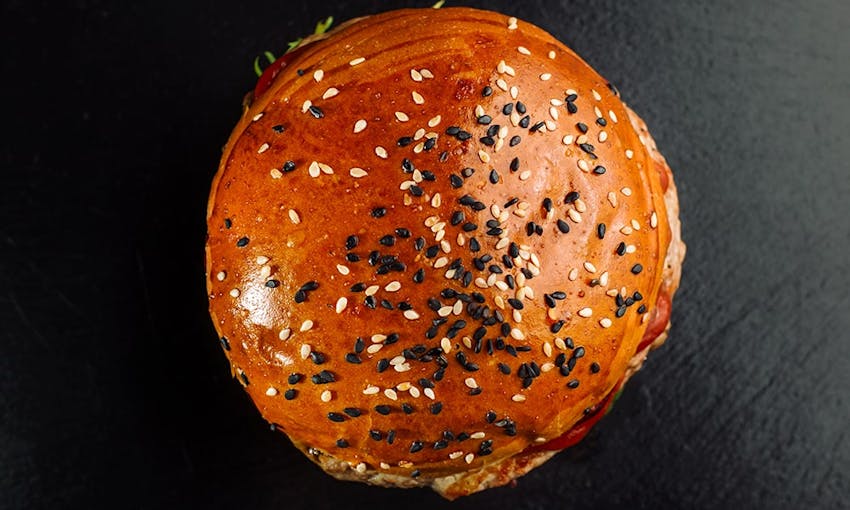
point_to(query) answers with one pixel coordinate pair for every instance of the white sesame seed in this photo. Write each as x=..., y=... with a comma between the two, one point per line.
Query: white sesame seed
x=374, y=348
x=371, y=390
x=220, y=276
x=414, y=391
x=546, y=76
x=477, y=435
x=393, y=286
x=234, y=293
x=457, y=308
x=417, y=97
x=446, y=345
x=403, y=386
x=603, y=279
x=357, y=172
x=630, y=248
x=605, y=323
x=275, y=173
x=341, y=303
x=514, y=92
x=294, y=217
x=551, y=125
x=517, y=316
x=426, y=73
x=262, y=259
x=390, y=394
x=356, y=61
x=590, y=268
x=547, y=349
x=435, y=121
x=402, y=117
x=360, y=125
x=284, y=333
x=436, y=200
x=581, y=139
x=305, y=351
x=503, y=242
x=331, y=92
x=360, y=468
x=326, y=396
x=258, y=116
x=626, y=191
x=306, y=106
x=470, y=382
x=411, y=315
x=271, y=392
x=653, y=220
x=596, y=96
x=263, y=148
x=523, y=50
x=553, y=112
x=574, y=215
x=559, y=343
x=552, y=54
x=307, y=325
x=585, y=312
x=627, y=230
x=635, y=224
x=612, y=116
x=629, y=153
x=603, y=136
x=570, y=92
x=502, y=84
x=314, y=170
x=612, y=198
x=318, y=75
x=381, y=152
x=517, y=334
x=371, y=290
x=415, y=75
x=512, y=23
x=525, y=175
x=519, y=397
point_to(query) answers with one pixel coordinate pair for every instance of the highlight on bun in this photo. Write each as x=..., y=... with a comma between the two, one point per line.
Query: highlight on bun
x=439, y=243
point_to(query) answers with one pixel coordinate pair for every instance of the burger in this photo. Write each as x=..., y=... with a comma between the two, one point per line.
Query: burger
x=439, y=243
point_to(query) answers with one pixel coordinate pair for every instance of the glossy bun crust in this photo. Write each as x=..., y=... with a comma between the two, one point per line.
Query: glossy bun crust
x=435, y=242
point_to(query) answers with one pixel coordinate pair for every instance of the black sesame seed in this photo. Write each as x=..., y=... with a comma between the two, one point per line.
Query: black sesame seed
x=582, y=127
x=415, y=473
x=469, y=227
x=439, y=445
x=316, y=112
x=571, y=197
x=416, y=191
x=515, y=140
x=599, y=170
x=323, y=377
x=474, y=246
x=289, y=166
x=637, y=296
x=514, y=164
x=228, y=223
x=436, y=407
x=383, y=409
x=383, y=364
x=554, y=328
x=404, y=141
x=242, y=242
x=641, y=309
x=376, y=435
x=571, y=107
x=429, y=144
x=402, y=233
x=571, y=98
x=578, y=353
x=475, y=391
x=278, y=128
x=485, y=119
x=621, y=249
x=494, y=177
x=390, y=435
x=336, y=417
x=524, y=122
x=300, y=296
x=464, y=135
x=244, y=378
x=225, y=344
x=520, y=107
x=600, y=231
x=272, y=284
x=594, y=368
x=379, y=212
x=563, y=226
x=387, y=240
x=432, y=251
x=550, y=301
x=637, y=268
x=537, y=126
x=487, y=91
x=310, y=286
x=290, y=394
x=351, y=242
x=602, y=122
x=508, y=109
x=573, y=384
x=467, y=172
x=419, y=243
x=586, y=147
x=352, y=358
x=407, y=408
x=317, y=357
x=342, y=443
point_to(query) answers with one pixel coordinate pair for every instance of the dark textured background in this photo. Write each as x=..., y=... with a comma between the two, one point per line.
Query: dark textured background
x=113, y=389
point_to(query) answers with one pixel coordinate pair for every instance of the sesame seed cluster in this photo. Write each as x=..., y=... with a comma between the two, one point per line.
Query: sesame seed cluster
x=434, y=242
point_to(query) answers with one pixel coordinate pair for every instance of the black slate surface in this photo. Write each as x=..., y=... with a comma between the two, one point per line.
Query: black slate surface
x=113, y=390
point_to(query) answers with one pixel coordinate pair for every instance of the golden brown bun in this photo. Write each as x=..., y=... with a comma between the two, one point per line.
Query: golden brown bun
x=364, y=167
